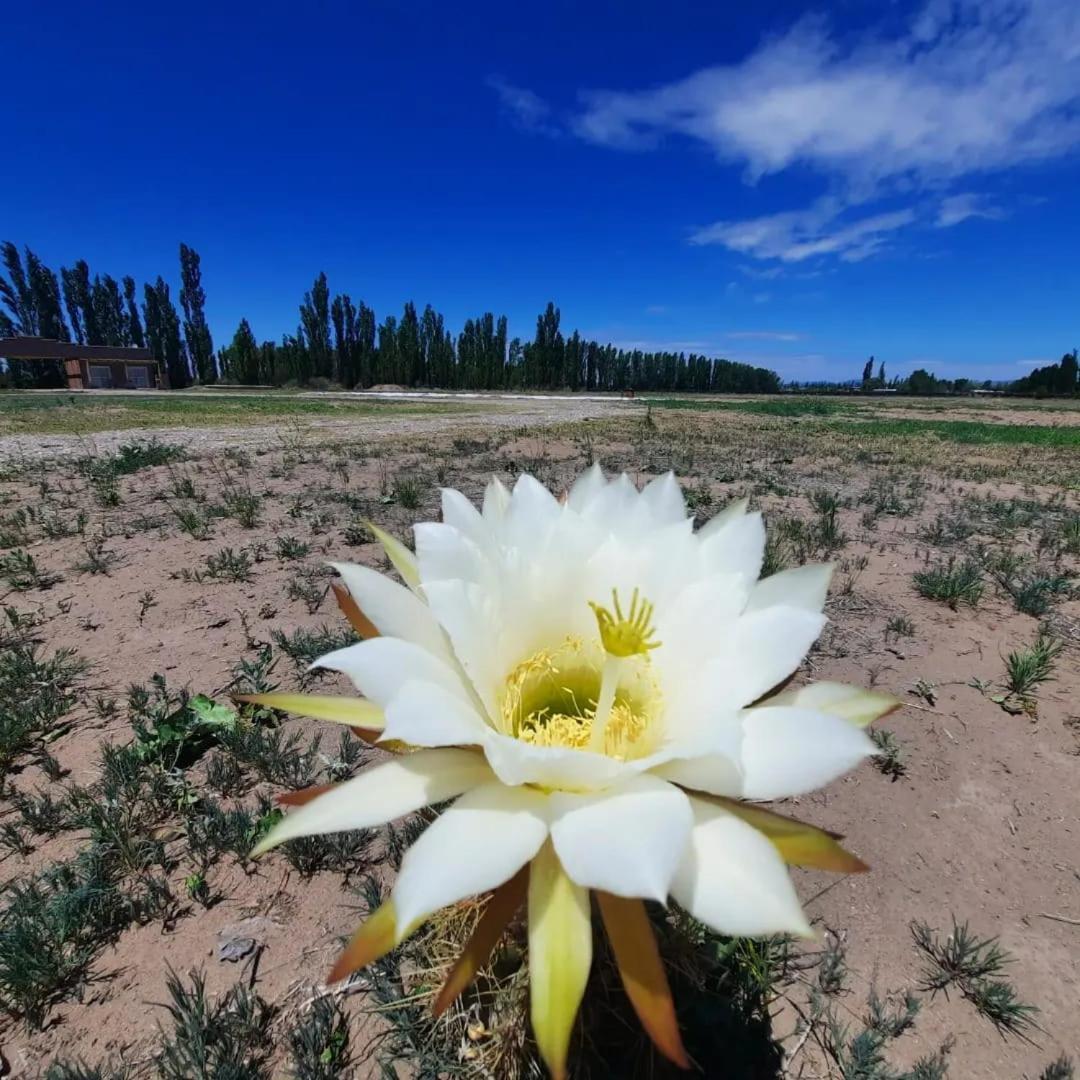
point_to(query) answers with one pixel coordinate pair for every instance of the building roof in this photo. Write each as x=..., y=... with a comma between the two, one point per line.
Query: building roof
x=38, y=348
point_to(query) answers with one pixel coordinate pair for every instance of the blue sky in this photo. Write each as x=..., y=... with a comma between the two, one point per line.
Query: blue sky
x=792, y=186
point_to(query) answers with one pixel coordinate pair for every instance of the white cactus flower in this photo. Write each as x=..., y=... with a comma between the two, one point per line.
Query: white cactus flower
x=587, y=680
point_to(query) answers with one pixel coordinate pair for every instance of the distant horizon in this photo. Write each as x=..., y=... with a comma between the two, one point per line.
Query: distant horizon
x=791, y=191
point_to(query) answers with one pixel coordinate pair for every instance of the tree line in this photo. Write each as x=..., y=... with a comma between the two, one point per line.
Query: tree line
x=337, y=341
x=1052, y=380
x=100, y=310
x=1060, y=380
x=340, y=342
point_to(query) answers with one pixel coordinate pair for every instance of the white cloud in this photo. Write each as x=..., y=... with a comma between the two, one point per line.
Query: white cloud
x=795, y=235
x=970, y=86
x=763, y=335
x=957, y=208
x=528, y=110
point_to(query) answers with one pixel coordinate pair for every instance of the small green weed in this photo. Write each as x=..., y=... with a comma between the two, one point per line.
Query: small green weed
x=229, y=1038
x=951, y=583
x=1026, y=670
x=21, y=571
x=976, y=967
x=890, y=762
x=289, y=548
x=319, y=1042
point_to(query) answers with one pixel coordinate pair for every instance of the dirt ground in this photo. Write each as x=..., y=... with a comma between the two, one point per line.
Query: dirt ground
x=469, y=411
x=981, y=824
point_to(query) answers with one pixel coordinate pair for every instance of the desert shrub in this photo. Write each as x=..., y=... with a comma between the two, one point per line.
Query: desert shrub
x=52, y=926
x=890, y=761
x=319, y=1043
x=951, y=582
x=226, y=1039
x=243, y=506
x=21, y=571
x=98, y=559
x=976, y=967
x=304, y=646
x=289, y=548
x=172, y=728
x=1027, y=669
x=229, y=565
x=36, y=693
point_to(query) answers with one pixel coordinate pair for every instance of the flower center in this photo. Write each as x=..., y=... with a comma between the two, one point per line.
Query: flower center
x=583, y=698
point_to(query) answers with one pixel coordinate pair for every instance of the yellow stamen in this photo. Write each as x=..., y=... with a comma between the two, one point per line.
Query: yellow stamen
x=552, y=697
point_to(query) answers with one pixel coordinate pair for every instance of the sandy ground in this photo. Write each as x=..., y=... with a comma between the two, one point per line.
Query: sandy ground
x=984, y=824
x=519, y=411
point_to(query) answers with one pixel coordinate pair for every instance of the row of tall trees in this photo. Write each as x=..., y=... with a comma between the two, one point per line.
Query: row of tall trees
x=100, y=310
x=340, y=341
x=337, y=341
x=1061, y=379
x=1052, y=380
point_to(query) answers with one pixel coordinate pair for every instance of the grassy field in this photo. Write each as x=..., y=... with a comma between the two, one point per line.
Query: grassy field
x=144, y=584
x=74, y=414
x=873, y=420
x=810, y=405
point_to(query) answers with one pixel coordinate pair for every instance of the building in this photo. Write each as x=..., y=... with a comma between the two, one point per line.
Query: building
x=91, y=367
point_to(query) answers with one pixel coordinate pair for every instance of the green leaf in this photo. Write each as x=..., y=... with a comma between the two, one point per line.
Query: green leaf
x=212, y=715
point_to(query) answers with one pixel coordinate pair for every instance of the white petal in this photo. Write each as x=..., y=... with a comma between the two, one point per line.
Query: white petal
x=444, y=553
x=664, y=499
x=382, y=793
x=734, y=509
x=395, y=611
x=481, y=841
x=791, y=751
x=761, y=650
x=586, y=488
x=531, y=502
x=469, y=616
x=516, y=762
x=460, y=514
x=734, y=880
x=739, y=547
x=423, y=714
x=711, y=761
x=627, y=840
x=610, y=505
x=380, y=666
x=692, y=625
x=802, y=587
x=496, y=500
x=851, y=703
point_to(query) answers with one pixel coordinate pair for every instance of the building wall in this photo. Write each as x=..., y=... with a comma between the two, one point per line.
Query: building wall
x=114, y=374
x=74, y=372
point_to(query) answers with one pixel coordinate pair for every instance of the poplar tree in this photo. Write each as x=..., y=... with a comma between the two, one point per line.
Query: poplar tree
x=163, y=333
x=31, y=294
x=109, y=319
x=200, y=345
x=134, y=325
x=77, y=300
x=315, y=329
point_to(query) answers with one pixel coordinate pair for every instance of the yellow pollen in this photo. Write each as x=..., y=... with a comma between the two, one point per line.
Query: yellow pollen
x=626, y=635
x=551, y=699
